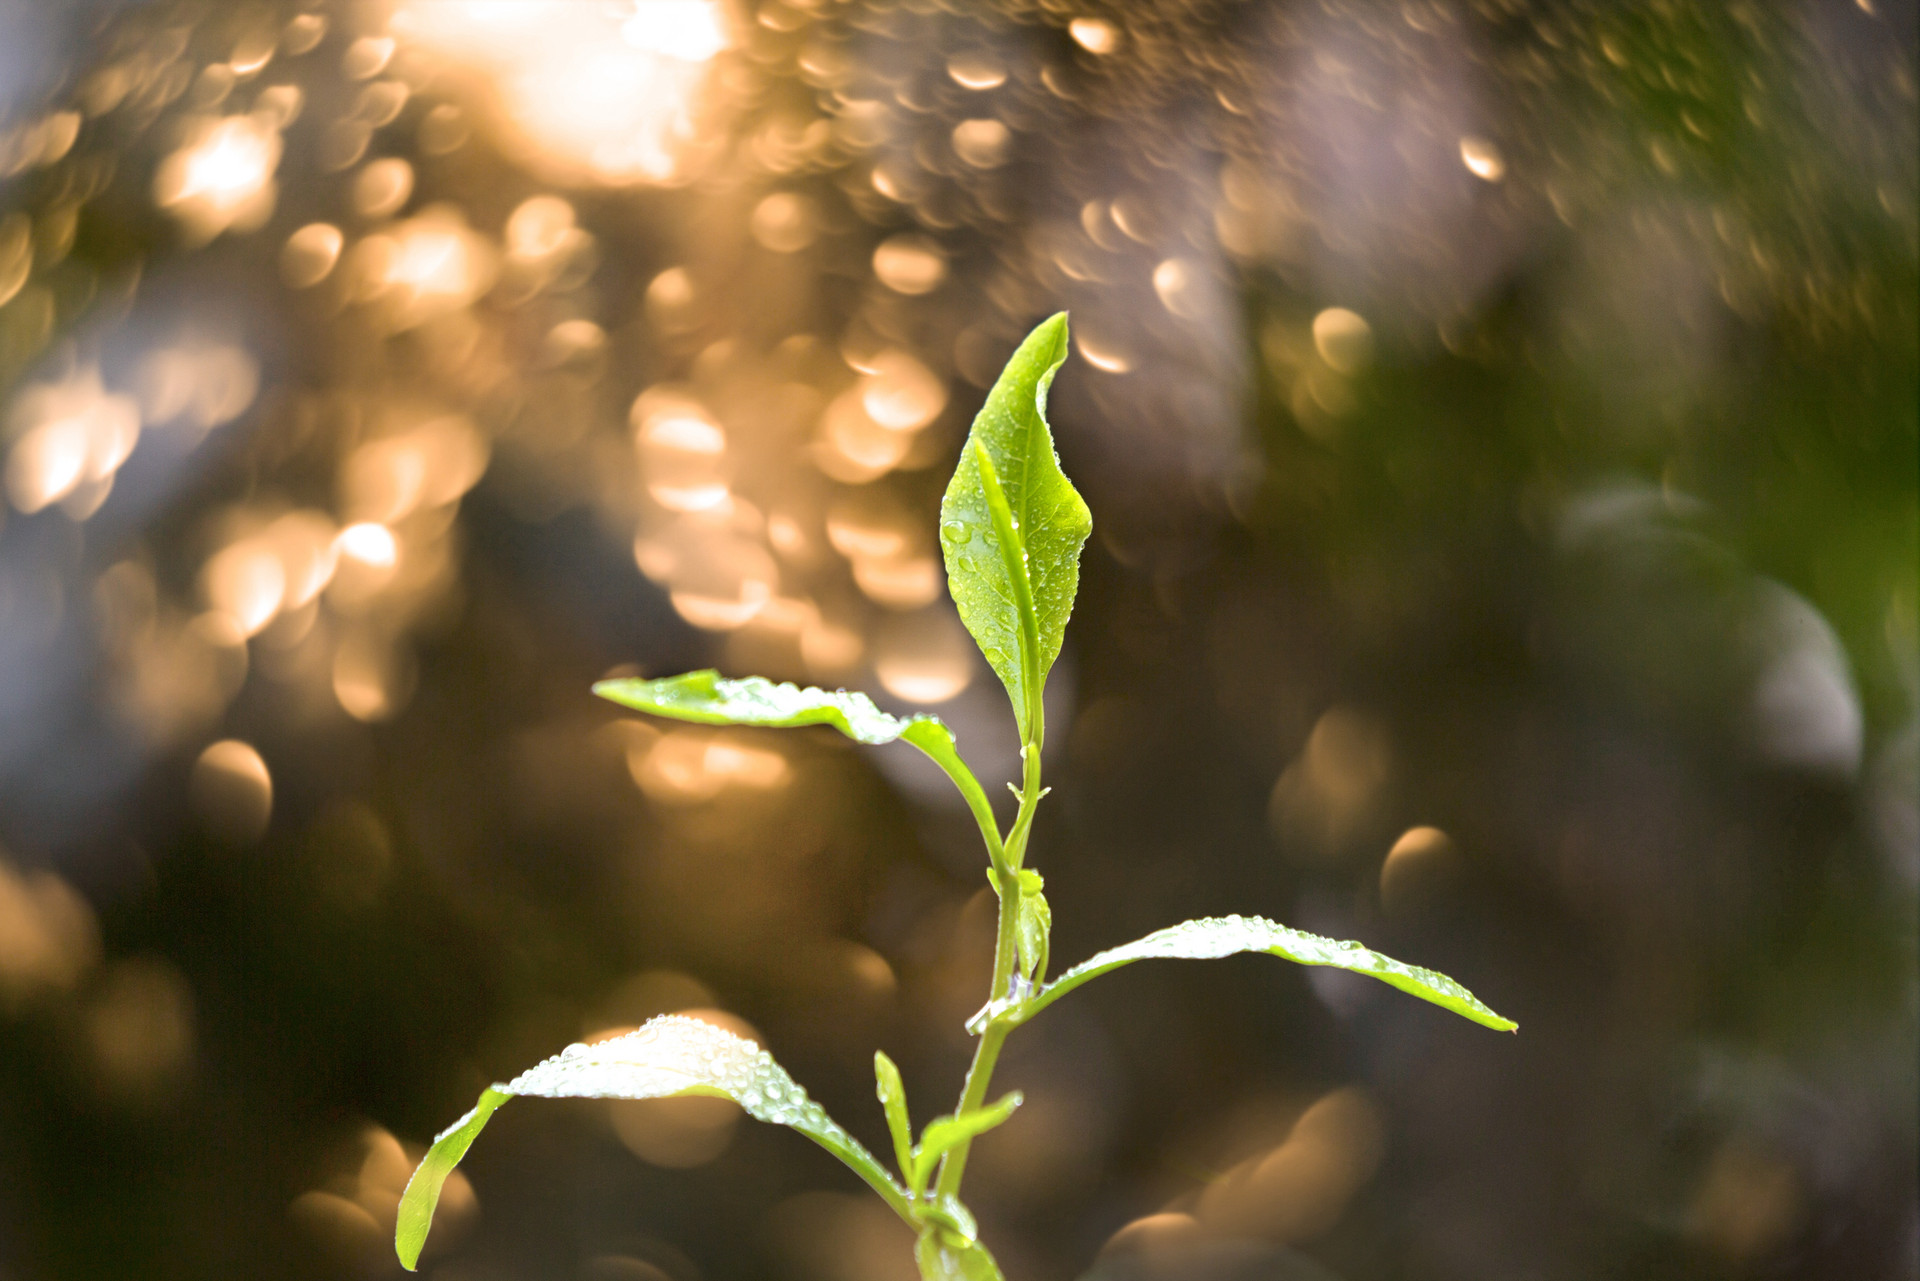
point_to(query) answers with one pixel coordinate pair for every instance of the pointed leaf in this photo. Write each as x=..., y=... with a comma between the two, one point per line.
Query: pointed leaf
x=945, y=1133
x=423, y=1189
x=1224, y=936
x=1011, y=526
x=1031, y=935
x=893, y=1100
x=671, y=1055
x=709, y=698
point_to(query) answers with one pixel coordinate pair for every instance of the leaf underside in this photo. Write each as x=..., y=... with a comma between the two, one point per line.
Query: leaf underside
x=1227, y=935
x=1050, y=519
x=671, y=1055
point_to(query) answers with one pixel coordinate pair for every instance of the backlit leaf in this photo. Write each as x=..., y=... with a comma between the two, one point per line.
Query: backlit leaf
x=671, y=1055
x=1224, y=936
x=943, y=1134
x=893, y=1100
x=709, y=698
x=1012, y=526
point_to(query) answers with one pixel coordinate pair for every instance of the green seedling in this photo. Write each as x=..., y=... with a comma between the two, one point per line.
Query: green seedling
x=1011, y=529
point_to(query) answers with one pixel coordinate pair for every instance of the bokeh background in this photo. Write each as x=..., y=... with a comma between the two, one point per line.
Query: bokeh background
x=1499, y=419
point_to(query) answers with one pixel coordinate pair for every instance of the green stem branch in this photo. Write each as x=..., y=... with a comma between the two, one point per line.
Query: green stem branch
x=986, y=1054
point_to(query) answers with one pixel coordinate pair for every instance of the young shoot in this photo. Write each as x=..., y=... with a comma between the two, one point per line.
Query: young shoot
x=1011, y=531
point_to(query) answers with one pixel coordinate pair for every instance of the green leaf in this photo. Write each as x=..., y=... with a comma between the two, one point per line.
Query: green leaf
x=1033, y=926
x=1224, y=936
x=945, y=1133
x=671, y=1055
x=709, y=698
x=1012, y=526
x=423, y=1189
x=942, y=1258
x=893, y=1100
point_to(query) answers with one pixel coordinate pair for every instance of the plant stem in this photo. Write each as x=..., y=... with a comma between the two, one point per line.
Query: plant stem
x=973, y=1092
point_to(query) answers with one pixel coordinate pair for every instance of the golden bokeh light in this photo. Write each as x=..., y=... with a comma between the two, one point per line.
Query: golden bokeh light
x=1176, y=281
x=1297, y=1191
x=685, y=766
x=718, y=573
x=870, y=526
x=370, y=543
x=900, y=393
x=372, y=680
x=231, y=790
x=425, y=267
x=582, y=91
x=424, y=467
x=1325, y=797
x=676, y=1134
x=16, y=255
x=1101, y=350
x=247, y=582
x=1483, y=159
x=909, y=582
x=1095, y=35
x=910, y=264
x=784, y=222
x=310, y=253
x=198, y=384
x=682, y=452
x=542, y=229
x=382, y=187
x=1344, y=339
x=1417, y=869
x=306, y=545
x=367, y=57
x=851, y=446
x=221, y=178
x=831, y=651
x=982, y=143
x=977, y=70
x=69, y=435
x=924, y=658
x=49, y=938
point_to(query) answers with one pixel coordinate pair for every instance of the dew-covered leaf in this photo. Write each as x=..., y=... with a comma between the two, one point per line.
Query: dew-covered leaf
x=893, y=1100
x=1033, y=923
x=672, y=1055
x=1224, y=936
x=1016, y=598
x=423, y=1189
x=708, y=698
